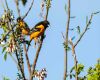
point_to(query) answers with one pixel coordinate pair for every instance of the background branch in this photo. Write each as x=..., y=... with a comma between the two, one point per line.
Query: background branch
x=27, y=59
x=21, y=70
x=84, y=31
x=16, y=53
x=17, y=6
x=6, y=4
x=28, y=9
x=75, y=59
x=36, y=58
x=66, y=43
x=7, y=33
x=40, y=45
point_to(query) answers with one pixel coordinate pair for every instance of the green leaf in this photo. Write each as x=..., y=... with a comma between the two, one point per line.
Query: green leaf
x=78, y=29
x=5, y=56
x=86, y=19
x=72, y=69
x=24, y=2
x=66, y=47
x=71, y=29
x=3, y=49
x=80, y=68
x=96, y=12
x=5, y=78
x=73, y=38
x=70, y=76
x=65, y=8
x=72, y=17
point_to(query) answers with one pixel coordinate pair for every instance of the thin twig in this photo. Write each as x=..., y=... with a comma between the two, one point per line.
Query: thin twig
x=27, y=59
x=28, y=9
x=28, y=45
x=7, y=33
x=66, y=42
x=40, y=45
x=75, y=59
x=36, y=58
x=17, y=6
x=86, y=28
x=16, y=53
x=47, y=8
x=6, y=4
x=21, y=70
x=63, y=36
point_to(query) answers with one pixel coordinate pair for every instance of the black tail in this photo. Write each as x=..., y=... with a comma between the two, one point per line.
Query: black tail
x=29, y=45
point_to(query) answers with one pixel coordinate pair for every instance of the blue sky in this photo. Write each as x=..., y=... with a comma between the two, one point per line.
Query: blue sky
x=52, y=52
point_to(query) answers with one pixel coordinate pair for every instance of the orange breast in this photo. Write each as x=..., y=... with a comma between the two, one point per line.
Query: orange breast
x=25, y=32
x=37, y=33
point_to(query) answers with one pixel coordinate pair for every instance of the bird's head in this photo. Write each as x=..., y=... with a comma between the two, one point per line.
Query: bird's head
x=19, y=19
x=46, y=23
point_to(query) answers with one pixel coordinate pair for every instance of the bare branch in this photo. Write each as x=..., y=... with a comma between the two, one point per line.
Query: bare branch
x=6, y=4
x=28, y=9
x=84, y=31
x=21, y=70
x=66, y=42
x=36, y=58
x=27, y=59
x=16, y=53
x=17, y=6
x=40, y=45
x=75, y=59
x=47, y=8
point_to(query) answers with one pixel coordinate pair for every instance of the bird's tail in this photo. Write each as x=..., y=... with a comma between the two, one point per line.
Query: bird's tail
x=29, y=45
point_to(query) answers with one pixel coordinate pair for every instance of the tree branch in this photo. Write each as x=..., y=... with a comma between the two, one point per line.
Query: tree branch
x=36, y=58
x=75, y=59
x=6, y=4
x=41, y=42
x=28, y=9
x=66, y=43
x=21, y=70
x=16, y=53
x=7, y=33
x=47, y=9
x=17, y=6
x=27, y=59
x=84, y=31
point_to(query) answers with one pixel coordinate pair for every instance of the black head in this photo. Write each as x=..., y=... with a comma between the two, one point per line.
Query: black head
x=46, y=23
x=19, y=19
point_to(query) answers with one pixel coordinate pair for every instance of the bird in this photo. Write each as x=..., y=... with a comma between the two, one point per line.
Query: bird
x=38, y=30
x=22, y=25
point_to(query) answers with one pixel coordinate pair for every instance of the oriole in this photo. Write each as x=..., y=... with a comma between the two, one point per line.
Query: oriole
x=23, y=26
x=38, y=30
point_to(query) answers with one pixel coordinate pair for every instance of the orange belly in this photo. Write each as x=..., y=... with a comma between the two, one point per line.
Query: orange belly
x=36, y=34
x=25, y=32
